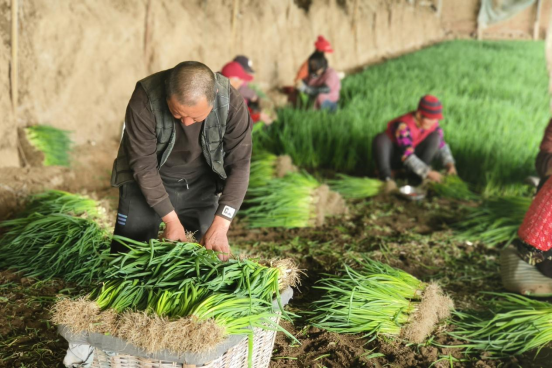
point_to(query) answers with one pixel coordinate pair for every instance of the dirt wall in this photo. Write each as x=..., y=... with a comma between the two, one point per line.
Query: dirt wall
x=460, y=19
x=460, y=16
x=79, y=60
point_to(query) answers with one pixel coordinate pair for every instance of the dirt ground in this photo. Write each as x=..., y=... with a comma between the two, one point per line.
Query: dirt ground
x=413, y=236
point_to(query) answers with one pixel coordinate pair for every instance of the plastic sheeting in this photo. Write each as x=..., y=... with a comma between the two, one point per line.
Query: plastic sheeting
x=496, y=11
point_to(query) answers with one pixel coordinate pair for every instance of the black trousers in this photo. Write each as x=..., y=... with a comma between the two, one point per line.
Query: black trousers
x=388, y=155
x=194, y=202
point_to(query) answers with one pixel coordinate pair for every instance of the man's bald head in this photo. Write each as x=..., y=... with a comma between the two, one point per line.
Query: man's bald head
x=189, y=82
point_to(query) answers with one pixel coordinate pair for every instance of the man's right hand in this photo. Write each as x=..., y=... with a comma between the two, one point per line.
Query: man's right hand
x=435, y=176
x=173, y=228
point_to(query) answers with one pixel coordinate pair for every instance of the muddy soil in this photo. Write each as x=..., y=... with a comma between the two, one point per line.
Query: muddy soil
x=413, y=236
x=27, y=338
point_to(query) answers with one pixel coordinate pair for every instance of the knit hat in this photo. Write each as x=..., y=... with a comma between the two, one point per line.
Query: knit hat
x=323, y=45
x=430, y=107
x=536, y=229
x=234, y=69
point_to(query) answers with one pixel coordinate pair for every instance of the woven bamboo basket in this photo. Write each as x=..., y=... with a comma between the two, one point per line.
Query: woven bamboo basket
x=235, y=357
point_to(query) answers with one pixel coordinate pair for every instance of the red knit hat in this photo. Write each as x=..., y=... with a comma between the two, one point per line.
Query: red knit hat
x=323, y=45
x=430, y=107
x=234, y=69
x=536, y=229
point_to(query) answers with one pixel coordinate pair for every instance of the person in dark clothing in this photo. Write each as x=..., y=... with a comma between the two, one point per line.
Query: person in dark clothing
x=321, y=46
x=187, y=139
x=413, y=141
x=322, y=84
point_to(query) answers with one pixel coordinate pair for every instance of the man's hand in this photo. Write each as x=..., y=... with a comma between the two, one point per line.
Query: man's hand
x=435, y=176
x=451, y=170
x=216, y=237
x=174, y=229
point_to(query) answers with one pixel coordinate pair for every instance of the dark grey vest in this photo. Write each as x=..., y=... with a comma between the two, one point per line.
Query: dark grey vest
x=212, y=134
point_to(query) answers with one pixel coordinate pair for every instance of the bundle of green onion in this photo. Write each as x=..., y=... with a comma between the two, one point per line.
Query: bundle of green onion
x=54, y=143
x=55, y=245
x=356, y=188
x=160, y=274
x=511, y=325
x=379, y=299
x=263, y=169
x=495, y=221
x=58, y=201
x=185, y=282
x=453, y=187
x=57, y=236
x=287, y=202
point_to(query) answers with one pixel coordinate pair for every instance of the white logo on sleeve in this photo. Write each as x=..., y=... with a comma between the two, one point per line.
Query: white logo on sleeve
x=228, y=211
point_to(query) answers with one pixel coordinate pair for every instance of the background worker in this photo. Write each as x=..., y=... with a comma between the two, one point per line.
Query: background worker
x=413, y=141
x=321, y=46
x=322, y=83
x=240, y=72
x=187, y=139
x=247, y=92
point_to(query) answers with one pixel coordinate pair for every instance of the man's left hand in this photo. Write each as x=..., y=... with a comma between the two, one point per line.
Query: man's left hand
x=451, y=170
x=216, y=238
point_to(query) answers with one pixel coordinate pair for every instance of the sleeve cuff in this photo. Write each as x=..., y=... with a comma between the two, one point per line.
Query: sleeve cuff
x=417, y=166
x=164, y=207
x=226, y=211
x=446, y=155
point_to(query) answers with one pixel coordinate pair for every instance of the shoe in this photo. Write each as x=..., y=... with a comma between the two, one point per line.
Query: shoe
x=389, y=186
x=532, y=180
x=520, y=277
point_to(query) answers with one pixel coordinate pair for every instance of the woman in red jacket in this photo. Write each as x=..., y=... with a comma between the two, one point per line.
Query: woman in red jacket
x=413, y=141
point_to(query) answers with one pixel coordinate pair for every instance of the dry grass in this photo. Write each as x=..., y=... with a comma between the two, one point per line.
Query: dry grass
x=147, y=331
x=434, y=307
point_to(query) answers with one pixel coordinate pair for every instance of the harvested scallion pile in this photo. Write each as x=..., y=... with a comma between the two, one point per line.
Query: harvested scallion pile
x=266, y=167
x=54, y=143
x=57, y=235
x=187, y=284
x=263, y=169
x=511, y=325
x=58, y=201
x=180, y=274
x=356, y=188
x=453, y=187
x=379, y=299
x=495, y=221
x=286, y=202
x=55, y=245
